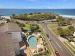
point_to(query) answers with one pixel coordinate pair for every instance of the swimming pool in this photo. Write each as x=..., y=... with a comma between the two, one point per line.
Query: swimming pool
x=32, y=41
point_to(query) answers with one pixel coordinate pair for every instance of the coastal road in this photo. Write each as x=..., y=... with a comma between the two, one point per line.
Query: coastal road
x=56, y=43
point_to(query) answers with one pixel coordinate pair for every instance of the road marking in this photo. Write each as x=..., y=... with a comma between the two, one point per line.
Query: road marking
x=58, y=45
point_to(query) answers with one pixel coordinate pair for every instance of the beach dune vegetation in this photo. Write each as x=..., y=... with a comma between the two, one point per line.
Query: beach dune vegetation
x=62, y=21
x=67, y=32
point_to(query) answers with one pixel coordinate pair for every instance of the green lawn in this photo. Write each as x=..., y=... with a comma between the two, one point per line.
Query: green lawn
x=64, y=27
x=27, y=27
x=53, y=27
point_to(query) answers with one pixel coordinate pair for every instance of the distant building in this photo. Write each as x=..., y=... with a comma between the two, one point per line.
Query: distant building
x=6, y=17
x=74, y=34
x=3, y=19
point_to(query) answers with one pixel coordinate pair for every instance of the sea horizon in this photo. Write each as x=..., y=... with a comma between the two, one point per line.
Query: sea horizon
x=9, y=12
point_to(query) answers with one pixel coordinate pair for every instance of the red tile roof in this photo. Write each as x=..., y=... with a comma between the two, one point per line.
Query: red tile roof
x=6, y=45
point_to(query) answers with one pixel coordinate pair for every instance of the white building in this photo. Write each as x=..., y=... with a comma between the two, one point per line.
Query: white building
x=74, y=34
x=6, y=17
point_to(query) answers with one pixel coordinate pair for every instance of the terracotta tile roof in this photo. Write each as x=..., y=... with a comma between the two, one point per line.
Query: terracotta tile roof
x=7, y=45
x=13, y=27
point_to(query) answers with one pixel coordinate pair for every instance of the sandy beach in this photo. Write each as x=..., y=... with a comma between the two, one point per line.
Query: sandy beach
x=68, y=16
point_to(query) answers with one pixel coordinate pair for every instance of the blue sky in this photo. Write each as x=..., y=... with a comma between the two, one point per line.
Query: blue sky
x=38, y=4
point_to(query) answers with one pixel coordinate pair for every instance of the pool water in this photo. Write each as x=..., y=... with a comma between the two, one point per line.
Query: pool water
x=32, y=41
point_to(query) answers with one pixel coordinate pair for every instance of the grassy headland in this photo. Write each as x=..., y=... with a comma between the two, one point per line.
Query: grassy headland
x=34, y=16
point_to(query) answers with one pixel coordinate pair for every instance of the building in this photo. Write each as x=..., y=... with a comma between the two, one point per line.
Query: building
x=9, y=41
x=74, y=34
x=5, y=17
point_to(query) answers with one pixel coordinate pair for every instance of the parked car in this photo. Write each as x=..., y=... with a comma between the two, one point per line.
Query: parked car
x=57, y=53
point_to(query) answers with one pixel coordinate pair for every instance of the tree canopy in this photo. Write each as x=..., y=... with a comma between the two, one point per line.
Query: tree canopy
x=31, y=16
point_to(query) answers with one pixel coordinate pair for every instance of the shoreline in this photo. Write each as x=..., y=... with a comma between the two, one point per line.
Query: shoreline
x=68, y=16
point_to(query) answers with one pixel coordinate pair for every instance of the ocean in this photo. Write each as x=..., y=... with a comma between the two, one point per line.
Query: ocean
x=9, y=12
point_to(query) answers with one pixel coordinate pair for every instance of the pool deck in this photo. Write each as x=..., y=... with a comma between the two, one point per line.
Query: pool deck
x=28, y=52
